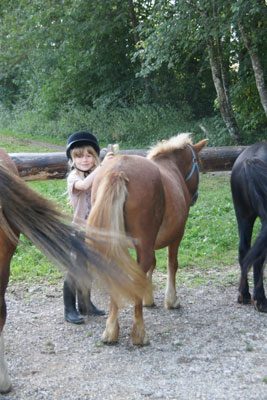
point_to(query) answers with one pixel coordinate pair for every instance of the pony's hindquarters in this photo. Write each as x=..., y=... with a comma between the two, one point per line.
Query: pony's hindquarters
x=108, y=213
x=5, y=383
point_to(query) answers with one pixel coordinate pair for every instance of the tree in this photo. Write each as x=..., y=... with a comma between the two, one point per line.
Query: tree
x=251, y=21
x=183, y=29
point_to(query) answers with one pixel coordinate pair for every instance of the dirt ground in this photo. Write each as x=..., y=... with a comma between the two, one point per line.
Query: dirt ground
x=211, y=348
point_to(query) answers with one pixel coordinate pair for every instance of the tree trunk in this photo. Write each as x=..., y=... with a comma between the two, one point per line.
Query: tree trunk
x=221, y=86
x=134, y=21
x=257, y=67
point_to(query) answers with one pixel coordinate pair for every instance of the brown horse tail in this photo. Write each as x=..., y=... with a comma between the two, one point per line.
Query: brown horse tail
x=108, y=213
x=23, y=210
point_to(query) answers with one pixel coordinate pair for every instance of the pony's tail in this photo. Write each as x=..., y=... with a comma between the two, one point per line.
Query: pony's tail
x=107, y=213
x=23, y=210
x=256, y=175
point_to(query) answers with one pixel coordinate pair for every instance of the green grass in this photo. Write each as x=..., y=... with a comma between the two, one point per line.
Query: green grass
x=18, y=143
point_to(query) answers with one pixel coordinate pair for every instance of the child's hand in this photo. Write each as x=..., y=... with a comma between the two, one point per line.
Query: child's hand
x=108, y=156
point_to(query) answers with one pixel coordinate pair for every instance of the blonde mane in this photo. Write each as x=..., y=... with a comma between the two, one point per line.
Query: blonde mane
x=167, y=146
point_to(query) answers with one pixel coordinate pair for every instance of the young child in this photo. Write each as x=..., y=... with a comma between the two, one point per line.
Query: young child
x=83, y=154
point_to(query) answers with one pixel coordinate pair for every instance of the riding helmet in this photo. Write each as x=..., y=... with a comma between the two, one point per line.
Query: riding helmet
x=79, y=139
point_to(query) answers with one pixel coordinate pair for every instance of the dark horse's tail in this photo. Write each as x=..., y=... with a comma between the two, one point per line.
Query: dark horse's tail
x=256, y=174
x=23, y=210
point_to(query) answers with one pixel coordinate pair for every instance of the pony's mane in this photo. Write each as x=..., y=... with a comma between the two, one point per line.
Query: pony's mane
x=167, y=146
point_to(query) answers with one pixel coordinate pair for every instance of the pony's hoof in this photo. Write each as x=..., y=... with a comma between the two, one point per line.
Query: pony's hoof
x=242, y=299
x=149, y=305
x=260, y=306
x=171, y=306
x=148, y=300
x=108, y=341
x=4, y=389
x=109, y=337
x=139, y=336
x=143, y=341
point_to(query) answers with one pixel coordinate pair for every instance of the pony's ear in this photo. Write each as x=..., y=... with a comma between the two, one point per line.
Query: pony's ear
x=199, y=146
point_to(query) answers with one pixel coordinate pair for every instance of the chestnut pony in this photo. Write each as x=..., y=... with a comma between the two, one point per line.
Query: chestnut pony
x=148, y=199
x=23, y=210
x=249, y=191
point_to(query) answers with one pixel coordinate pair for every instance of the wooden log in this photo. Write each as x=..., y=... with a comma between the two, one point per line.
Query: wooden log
x=42, y=166
x=219, y=158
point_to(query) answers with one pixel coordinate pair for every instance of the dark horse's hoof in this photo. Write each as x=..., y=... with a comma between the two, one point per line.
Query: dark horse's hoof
x=244, y=299
x=260, y=305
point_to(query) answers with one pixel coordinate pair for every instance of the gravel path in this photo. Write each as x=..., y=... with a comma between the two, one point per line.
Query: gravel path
x=212, y=348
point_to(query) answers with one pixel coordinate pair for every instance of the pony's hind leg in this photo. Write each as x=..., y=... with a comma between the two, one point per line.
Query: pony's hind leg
x=147, y=261
x=111, y=333
x=171, y=299
x=139, y=337
x=148, y=299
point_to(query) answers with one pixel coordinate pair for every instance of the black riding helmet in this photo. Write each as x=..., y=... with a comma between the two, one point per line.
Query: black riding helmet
x=79, y=139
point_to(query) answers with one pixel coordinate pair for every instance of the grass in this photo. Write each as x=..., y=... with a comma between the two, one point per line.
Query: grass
x=16, y=143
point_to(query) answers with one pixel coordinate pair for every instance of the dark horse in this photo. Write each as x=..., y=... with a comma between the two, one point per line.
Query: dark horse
x=23, y=210
x=148, y=199
x=249, y=191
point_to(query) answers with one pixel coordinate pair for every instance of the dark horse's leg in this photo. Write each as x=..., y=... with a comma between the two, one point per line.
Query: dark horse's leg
x=7, y=251
x=245, y=227
x=259, y=298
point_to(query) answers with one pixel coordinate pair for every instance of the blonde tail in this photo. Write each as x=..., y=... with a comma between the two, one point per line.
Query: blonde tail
x=107, y=214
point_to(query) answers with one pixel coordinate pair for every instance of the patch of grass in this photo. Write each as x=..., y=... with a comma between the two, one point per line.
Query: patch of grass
x=19, y=142
x=249, y=347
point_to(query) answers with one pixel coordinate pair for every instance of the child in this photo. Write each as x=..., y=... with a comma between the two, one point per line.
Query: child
x=83, y=155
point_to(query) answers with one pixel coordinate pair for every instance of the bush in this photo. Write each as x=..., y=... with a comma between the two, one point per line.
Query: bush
x=131, y=127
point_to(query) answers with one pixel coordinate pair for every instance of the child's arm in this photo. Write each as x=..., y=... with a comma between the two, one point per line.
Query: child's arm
x=86, y=183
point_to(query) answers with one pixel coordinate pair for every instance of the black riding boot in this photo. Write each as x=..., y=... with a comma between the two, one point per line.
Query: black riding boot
x=70, y=313
x=85, y=305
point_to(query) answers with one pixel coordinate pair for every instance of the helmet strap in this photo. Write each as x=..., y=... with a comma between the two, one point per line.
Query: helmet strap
x=86, y=173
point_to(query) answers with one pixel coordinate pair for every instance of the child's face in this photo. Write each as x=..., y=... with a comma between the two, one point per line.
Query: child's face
x=83, y=160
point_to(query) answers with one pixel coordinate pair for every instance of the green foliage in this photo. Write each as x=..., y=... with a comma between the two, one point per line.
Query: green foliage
x=131, y=127
x=134, y=69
